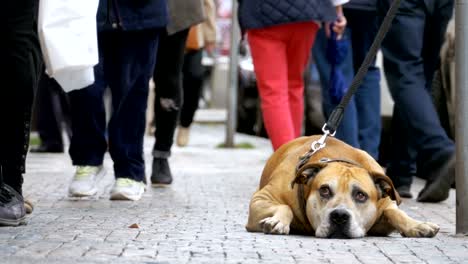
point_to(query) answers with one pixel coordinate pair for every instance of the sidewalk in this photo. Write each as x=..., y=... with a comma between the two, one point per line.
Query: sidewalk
x=199, y=219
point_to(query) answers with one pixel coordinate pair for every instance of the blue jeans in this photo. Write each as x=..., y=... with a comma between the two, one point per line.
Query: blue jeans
x=410, y=62
x=361, y=124
x=126, y=63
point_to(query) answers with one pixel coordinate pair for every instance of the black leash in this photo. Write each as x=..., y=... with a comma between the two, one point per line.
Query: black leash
x=330, y=127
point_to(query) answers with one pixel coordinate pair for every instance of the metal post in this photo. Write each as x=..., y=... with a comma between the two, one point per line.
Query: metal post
x=233, y=71
x=461, y=121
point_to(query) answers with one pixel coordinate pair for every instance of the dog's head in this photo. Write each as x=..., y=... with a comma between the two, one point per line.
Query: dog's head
x=342, y=198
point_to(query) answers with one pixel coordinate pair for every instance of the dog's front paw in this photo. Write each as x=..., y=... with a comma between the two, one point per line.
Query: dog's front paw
x=422, y=229
x=272, y=225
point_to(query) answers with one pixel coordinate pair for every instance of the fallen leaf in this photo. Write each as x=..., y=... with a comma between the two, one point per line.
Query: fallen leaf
x=134, y=226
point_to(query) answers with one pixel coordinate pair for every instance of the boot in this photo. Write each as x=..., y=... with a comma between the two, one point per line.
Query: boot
x=161, y=174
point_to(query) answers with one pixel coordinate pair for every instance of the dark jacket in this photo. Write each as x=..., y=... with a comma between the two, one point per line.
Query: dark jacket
x=264, y=13
x=131, y=14
x=370, y=5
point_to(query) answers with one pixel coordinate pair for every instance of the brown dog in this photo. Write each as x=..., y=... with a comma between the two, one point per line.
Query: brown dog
x=340, y=192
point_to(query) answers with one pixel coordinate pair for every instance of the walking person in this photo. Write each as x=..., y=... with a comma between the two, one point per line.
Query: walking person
x=19, y=72
x=168, y=82
x=410, y=62
x=193, y=71
x=280, y=40
x=128, y=34
x=361, y=124
x=52, y=108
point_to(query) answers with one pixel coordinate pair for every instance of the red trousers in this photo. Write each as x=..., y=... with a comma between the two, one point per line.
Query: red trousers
x=280, y=55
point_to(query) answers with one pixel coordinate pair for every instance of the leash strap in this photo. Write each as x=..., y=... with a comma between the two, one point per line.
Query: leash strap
x=337, y=115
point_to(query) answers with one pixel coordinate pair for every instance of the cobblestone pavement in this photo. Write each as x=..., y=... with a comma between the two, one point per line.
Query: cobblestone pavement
x=199, y=219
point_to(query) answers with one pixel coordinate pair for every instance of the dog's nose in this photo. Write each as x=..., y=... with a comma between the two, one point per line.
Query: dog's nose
x=339, y=216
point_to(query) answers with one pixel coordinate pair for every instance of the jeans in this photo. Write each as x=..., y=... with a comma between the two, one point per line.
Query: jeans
x=410, y=62
x=361, y=124
x=125, y=65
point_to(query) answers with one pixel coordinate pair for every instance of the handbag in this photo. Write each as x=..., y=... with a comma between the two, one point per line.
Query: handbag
x=68, y=38
x=195, y=38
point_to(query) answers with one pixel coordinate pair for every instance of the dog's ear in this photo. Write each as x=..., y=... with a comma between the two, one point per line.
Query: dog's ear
x=385, y=186
x=307, y=172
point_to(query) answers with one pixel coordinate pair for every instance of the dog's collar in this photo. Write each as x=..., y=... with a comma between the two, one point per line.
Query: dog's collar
x=327, y=160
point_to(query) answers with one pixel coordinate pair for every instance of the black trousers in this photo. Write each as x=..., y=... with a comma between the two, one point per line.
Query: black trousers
x=169, y=95
x=20, y=62
x=53, y=109
x=193, y=83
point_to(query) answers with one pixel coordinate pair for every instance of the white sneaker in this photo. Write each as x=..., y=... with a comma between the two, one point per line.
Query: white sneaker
x=127, y=189
x=84, y=181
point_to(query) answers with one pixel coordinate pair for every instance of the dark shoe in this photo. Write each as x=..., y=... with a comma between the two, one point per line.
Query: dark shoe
x=12, y=211
x=161, y=174
x=405, y=191
x=438, y=185
x=46, y=149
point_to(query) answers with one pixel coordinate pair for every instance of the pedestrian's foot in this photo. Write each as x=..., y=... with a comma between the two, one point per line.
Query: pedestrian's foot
x=127, y=189
x=85, y=180
x=47, y=149
x=405, y=191
x=183, y=134
x=28, y=205
x=438, y=185
x=12, y=211
x=161, y=174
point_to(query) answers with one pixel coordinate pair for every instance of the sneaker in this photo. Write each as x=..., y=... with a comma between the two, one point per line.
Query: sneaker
x=161, y=175
x=84, y=181
x=12, y=211
x=183, y=134
x=127, y=189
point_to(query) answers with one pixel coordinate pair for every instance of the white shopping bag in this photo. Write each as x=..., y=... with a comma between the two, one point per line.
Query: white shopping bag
x=68, y=38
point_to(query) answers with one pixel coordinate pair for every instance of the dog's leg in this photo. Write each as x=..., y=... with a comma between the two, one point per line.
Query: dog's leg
x=406, y=225
x=268, y=216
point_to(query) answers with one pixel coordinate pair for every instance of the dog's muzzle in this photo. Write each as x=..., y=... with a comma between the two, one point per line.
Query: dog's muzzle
x=339, y=220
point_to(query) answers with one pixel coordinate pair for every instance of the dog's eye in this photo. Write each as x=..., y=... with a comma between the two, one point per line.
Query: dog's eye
x=361, y=197
x=325, y=192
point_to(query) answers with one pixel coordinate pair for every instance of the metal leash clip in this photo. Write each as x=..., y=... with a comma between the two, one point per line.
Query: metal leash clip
x=320, y=144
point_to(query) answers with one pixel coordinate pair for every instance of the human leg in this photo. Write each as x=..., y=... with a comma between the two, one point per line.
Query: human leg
x=268, y=50
x=168, y=80
x=348, y=130
x=298, y=52
x=48, y=121
x=407, y=77
x=363, y=25
x=20, y=64
x=192, y=86
x=128, y=64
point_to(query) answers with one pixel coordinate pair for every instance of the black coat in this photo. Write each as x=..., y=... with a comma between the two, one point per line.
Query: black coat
x=132, y=14
x=264, y=13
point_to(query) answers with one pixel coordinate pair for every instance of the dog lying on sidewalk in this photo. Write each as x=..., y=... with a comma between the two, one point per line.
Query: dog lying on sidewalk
x=340, y=192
